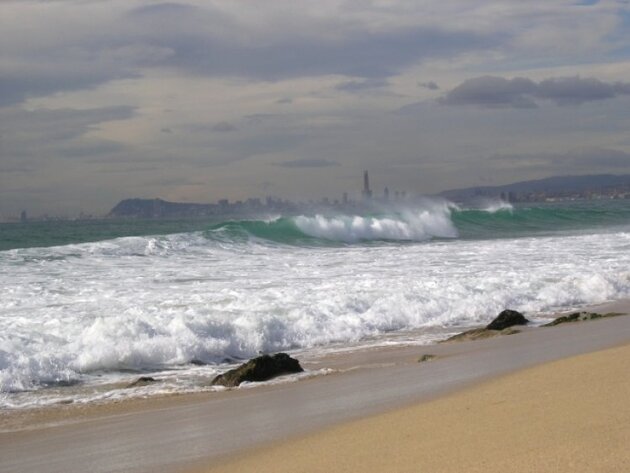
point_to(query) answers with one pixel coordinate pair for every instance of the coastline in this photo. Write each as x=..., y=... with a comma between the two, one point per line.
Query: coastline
x=565, y=416
x=336, y=363
x=201, y=427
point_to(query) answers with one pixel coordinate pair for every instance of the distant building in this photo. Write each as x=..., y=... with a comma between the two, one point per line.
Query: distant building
x=367, y=192
x=386, y=194
x=23, y=216
x=345, y=198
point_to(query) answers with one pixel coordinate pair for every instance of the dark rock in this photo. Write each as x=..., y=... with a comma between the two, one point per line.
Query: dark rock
x=506, y=319
x=427, y=357
x=480, y=333
x=261, y=368
x=142, y=381
x=197, y=362
x=579, y=317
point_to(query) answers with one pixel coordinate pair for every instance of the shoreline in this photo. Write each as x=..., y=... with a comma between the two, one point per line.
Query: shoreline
x=563, y=416
x=337, y=363
x=202, y=426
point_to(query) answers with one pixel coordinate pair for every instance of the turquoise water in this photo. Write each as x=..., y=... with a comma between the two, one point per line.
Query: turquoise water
x=58, y=233
x=469, y=224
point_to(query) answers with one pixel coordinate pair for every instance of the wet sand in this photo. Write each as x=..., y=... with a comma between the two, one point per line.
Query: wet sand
x=182, y=432
x=566, y=416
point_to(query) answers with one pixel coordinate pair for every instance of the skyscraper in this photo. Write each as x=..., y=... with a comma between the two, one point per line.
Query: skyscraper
x=367, y=193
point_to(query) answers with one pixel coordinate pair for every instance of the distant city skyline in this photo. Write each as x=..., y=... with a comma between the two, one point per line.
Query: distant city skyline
x=252, y=203
x=197, y=101
x=551, y=189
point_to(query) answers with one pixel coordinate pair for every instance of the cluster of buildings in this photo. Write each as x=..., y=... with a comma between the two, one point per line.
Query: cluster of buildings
x=556, y=196
x=158, y=208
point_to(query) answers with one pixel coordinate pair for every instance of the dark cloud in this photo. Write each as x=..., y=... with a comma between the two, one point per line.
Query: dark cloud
x=520, y=92
x=492, y=92
x=361, y=85
x=431, y=85
x=60, y=124
x=224, y=127
x=354, y=54
x=203, y=42
x=55, y=133
x=575, y=90
x=307, y=163
x=36, y=81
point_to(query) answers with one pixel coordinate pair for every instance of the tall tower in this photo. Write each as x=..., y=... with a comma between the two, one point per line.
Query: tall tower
x=367, y=193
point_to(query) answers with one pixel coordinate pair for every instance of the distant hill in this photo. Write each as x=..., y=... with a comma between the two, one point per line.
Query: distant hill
x=550, y=187
x=158, y=208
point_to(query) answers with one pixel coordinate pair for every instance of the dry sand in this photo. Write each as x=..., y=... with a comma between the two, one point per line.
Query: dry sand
x=571, y=415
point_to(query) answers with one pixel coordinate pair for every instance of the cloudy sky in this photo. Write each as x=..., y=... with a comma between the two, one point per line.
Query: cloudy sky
x=200, y=100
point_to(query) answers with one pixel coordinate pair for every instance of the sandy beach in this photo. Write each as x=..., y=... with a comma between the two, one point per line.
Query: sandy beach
x=567, y=416
x=546, y=399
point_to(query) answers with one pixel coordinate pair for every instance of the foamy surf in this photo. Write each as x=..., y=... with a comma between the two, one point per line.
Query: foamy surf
x=420, y=225
x=77, y=319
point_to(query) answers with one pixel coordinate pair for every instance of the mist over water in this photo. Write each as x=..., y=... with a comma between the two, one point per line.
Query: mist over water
x=87, y=313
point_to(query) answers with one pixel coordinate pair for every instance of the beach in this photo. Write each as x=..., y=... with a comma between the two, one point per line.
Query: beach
x=479, y=403
x=566, y=416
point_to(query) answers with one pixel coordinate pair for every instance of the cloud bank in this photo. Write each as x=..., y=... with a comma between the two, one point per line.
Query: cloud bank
x=209, y=99
x=521, y=92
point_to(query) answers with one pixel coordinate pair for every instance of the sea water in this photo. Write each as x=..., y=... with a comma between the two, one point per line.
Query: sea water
x=87, y=307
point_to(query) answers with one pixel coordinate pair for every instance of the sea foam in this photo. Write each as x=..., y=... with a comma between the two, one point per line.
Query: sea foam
x=409, y=225
x=86, y=312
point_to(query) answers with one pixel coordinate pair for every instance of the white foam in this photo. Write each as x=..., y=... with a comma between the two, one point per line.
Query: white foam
x=86, y=312
x=409, y=225
x=495, y=205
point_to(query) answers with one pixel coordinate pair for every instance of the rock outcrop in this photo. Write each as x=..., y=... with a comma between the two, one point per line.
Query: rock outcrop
x=261, y=368
x=503, y=324
x=425, y=358
x=480, y=333
x=507, y=318
x=142, y=381
x=579, y=317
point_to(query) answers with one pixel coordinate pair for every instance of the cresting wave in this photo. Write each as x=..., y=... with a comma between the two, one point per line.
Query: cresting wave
x=394, y=225
x=441, y=220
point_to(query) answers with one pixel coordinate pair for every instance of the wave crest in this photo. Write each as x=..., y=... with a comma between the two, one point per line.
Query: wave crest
x=408, y=226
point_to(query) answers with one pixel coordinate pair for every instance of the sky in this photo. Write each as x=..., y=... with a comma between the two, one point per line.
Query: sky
x=196, y=101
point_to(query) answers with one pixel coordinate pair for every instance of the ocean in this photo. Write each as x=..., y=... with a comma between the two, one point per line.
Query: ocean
x=89, y=306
